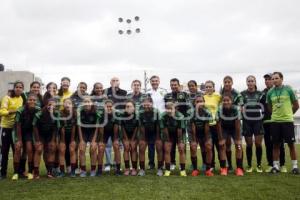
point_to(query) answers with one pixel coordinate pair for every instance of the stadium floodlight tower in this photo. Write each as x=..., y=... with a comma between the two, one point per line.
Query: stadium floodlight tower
x=129, y=26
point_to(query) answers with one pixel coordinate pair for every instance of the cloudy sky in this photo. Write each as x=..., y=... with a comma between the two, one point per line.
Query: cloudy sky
x=186, y=39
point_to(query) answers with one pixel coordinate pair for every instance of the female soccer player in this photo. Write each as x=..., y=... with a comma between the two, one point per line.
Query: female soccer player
x=228, y=125
x=237, y=100
x=51, y=92
x=80, y=93
x=212, y=103
x=129, y=128
x=87, y=121
x=110, y=129
x=23, y=136
x=45, y=128
x=252, y=122
x=64, y=91
x=67, y=137
x=201, y=135
x=172, y=123
x=9, y=106
x=149, y=126
x=98, y=95
x=35, y=88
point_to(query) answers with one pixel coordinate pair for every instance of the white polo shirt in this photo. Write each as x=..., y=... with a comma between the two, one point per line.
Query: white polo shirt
x=158, y=98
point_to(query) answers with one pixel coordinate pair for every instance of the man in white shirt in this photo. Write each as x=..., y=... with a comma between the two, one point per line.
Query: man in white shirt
x=157, y=94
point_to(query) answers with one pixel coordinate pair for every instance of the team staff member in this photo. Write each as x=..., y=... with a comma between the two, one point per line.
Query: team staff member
x=181, y=101
x=252, y=122
x=228, y=125
x=9, y=106
x=283, y=103
x=237, y=100
x=172, y=124
x=212, y=103
x=157, y=94
x=23, y=136
x=267, y=126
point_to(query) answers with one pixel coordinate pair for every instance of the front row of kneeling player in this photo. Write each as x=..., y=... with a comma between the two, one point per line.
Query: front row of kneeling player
x=43, y=132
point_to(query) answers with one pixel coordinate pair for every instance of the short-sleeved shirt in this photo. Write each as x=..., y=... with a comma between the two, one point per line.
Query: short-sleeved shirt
x=149, y=120
x=178, y=97
x=67, y=124
x=237, y=98
x=25, y=117
x=129, y=123
x=108, y=120
x=45, y=122
x=281, y=100
x=200, y=118
x=252, y=102
x=227, y=117
x=88, y=119
x=171, y=123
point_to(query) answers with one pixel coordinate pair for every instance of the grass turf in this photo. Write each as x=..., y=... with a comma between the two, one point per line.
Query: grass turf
x=251, y=186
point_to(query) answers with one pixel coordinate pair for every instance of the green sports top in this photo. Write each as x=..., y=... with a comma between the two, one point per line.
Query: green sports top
x=281, y=100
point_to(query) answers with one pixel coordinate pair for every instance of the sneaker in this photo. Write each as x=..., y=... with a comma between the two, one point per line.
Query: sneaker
x=78, y=171
x=249, y=170
x=15, y=177
x=296, y=171
x=118, y=173
x=133, y=172
x=72, y=174
x=107, y=168
x=141, y=173
x=209, y=173
x=93, y=173
x=259, y=169
x=167, y=173
x=50, y=175
x=239, y=172
x=60, y=175
x=269, y=169
x=99, y=173
x=159, y=172
x=195, y=173
x=126, y=172
x=29, y=176
x=274, y=170
x=223, y=171
x=183, y=173
x=69, y=169
x=283, y=169
x=82, y=174
x=172, y=167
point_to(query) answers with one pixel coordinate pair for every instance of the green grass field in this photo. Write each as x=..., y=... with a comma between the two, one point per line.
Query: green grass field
x=251, y=186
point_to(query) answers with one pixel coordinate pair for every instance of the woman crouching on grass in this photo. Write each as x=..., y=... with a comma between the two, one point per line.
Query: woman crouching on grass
x=129, y=127
x=110, y=129
x=45, y=128
x=201, y=135
x=88, y=122
x=228, y=126
x=67, y=137
x=23, y=136
x=172, y=123
x=149, y=126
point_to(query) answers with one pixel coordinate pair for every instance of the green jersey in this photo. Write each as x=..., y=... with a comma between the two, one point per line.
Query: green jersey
x=172, y=123
x=25, y=117
x=200, y=118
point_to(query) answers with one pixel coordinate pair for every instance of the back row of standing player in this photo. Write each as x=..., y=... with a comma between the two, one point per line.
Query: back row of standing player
x=208, y=125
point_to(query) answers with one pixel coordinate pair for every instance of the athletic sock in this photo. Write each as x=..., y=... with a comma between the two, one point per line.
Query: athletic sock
x=182, y=166
x=249, y=155
x=118, y=166
x=142, y=165
x=16, y=167
x=228, y=154
x=276, y=164
x=239, y=163
x=208, y=166
x=50, y=167
x=160, y=164
x=36, y=171
x=93, y=167
x=168, y=166
x=30, y=167
x=223, y=163
x=134, y=164
x=83, y=168
x=127, y=164
x=258, y=155
x=62, y=168
x=73, y=166
x=22, y=166
x=295, y=164
x=194, y=162
x=203, y=154
x=100, y=168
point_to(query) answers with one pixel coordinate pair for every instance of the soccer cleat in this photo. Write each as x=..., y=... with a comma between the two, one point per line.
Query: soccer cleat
x=93, y=173
x=159, y=172
x=296, y=171
x=183, y=173
x=167, y=173
x=283, y=169
x=141, y=173
x=259, y=169
x=224, y=171
x=72, y=174
x=15, y=177
x=29, y=176
x=82, y=174
x=118, y=173
x=195, y=173
x=77, y=171
x=126, y=172
x=69, y=169
x=50, y=175
x=269, y=169
x=60, y=175
x=209, y=173
x=249, y=170
x=99, y=173
x=239, y=172
x=274, y=170
x=107, y=168
x=133, y=172
x=172, y=167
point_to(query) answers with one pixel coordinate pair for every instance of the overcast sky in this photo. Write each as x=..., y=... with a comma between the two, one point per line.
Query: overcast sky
x=186, y=39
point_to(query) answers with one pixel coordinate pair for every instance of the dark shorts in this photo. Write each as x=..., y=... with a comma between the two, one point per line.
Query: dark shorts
x=174, y=137
x=229, y=134
x=251, y=128
x=199, y=137
x=27, y=136
x=46, y=138
x=67, y=138
x=282, y=132
x=105, y=137
x=149, y=136
x=87, y=134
